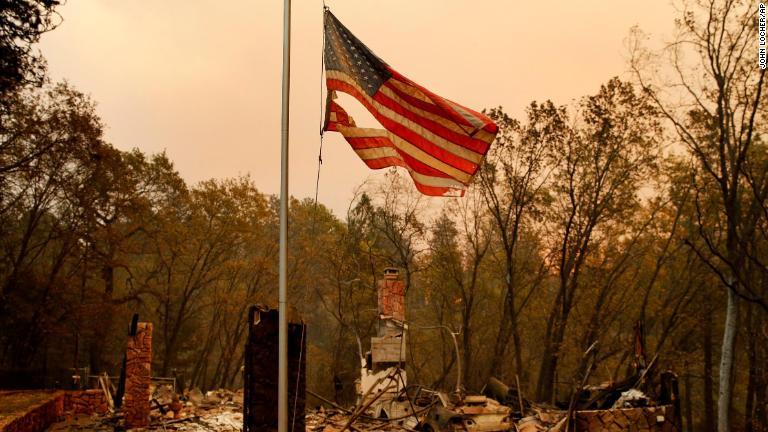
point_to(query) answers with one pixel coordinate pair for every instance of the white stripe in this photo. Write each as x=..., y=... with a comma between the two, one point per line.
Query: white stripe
x=449, y=124
x=408, y=148
x=427, y=180
x=468, y=116
x=411, y=91
x=377, y=153
x=441, y=142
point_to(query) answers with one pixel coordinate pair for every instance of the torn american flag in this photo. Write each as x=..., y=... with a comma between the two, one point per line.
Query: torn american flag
x=439, y=142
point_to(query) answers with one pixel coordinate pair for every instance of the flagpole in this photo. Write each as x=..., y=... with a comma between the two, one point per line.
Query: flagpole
x=282, y=382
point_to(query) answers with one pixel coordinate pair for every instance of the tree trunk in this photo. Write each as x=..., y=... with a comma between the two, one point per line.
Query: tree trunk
x=558, y=318
x=96, y=347
x=508, y=326
x=555, y=336
x=761, y=390
x=749, y=406
x=236, y=371
x=709, y=402
x=687, y=403
x=761, y=375
x=169, y=357
x=517, y=346
x=725, y=393
x=202, y=359
x=467, y=354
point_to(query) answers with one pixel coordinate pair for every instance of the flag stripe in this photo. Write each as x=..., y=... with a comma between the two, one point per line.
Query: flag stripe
x=448, y=111
x=379, y=152
x=461, y=139
x=467, y=114
x=428, y=137
x=422, y=186
x=389, y=154
x=442, y=106
x=440, y=143
x=411, y=91
x=482, y=141
x=454, y=154
x=432, y=111
x=411, y=137
x=442, y=121
x=358, y=142
x=415, y=101
x=367, y=138
x=411, y=150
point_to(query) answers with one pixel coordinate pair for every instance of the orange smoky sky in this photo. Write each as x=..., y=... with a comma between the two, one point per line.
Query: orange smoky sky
x=201, y=79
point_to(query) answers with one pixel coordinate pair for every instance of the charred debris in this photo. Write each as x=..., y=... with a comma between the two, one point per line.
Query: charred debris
x=386, y=401
x=646, y=400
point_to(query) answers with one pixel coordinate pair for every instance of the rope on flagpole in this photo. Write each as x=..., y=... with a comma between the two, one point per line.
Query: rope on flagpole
x=320, y=153
x=322, y=114
x=314, y=220
x=322, y=122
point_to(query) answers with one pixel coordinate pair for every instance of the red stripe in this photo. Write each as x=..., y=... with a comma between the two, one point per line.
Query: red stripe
x=405, y=162
x=341, y=116
x=443, y=103
x=418, y=103
x=415, y=164
x=490, y=126
x=387, y=162
x=446, y=156
x=412, y=137
x=422, y=168
x=465, y=141
x=458, y=118
x=360, y=143
x=434, y=190
x=379, y=141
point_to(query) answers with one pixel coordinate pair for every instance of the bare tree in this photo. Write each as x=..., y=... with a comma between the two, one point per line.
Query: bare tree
x=714, y=102
x=511, y=183
x=608, y=155
x=458, y=247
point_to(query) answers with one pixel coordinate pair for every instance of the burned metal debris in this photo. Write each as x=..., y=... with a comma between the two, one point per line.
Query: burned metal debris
x=645, y=401
x=387, y=402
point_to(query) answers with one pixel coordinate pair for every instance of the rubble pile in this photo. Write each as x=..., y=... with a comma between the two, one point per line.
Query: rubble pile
x=386, y=401
x=334, y=420
x=193, y=411
x=605, y=407
x=644, y=401
x=216, y=410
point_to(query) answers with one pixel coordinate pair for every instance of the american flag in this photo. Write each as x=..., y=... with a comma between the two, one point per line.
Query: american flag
x=439, y=142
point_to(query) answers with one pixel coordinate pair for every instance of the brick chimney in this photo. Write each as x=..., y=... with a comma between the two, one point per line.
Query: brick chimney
x=388, y=349
x=392, y=295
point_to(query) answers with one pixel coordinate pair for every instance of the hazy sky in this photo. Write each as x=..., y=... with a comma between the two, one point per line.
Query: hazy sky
x=201, y=79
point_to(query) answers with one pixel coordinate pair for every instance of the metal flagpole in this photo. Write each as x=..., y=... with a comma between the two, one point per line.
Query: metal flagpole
x=282, y=382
